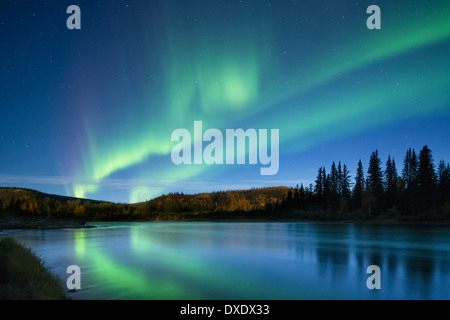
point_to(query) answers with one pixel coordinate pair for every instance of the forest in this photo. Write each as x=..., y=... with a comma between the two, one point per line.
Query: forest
x=419, y=192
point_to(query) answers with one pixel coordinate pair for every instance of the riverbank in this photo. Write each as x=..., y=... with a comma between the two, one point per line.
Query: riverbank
x=18, y=222
x=24, y=277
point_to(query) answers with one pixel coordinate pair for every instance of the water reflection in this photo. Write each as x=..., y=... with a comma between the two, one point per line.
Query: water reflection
x=414, y=260
x=248, y=260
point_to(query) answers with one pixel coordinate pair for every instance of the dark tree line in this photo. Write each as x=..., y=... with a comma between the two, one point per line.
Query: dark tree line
x=421, y=189
x=333, y=189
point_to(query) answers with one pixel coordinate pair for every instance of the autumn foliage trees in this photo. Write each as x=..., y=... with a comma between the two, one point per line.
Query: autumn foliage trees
x=173, y=206
x=419, y=191
x=40, y=205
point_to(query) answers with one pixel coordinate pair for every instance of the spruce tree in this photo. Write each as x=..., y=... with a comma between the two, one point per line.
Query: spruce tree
x=410, y=169
x=409, y=197
x=326, y=190
x=322, y=187
x=334, y=187
x=390, y=182
x=345, y=183
x=339, y=179
x=358, y=189
x=443, y=182
x=320, y=180
x=334, y=179
x=375, y=182
x=426, y=180
x=426, y=173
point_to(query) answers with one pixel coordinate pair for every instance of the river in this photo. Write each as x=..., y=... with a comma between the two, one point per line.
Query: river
x=205, y=260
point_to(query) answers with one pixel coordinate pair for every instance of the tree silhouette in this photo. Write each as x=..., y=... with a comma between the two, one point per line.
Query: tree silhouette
x=390, y=182
x=334, y=179
x=408, y=202
x=320, y=182
x=334, y=187
x=359, y=187
x=443, y=182
x=345, y=183
x=375, y=182
x=410, y=169
x=426, y=179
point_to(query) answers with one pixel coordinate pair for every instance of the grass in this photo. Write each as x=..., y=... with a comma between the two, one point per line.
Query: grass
x=23, y=276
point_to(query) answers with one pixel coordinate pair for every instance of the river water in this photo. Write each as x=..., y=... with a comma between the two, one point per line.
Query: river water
x=203, y=260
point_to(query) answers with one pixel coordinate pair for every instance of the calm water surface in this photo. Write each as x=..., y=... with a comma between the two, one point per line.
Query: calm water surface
x=201, y=260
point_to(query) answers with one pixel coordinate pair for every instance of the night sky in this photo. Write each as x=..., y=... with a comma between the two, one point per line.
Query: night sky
x=90, y=112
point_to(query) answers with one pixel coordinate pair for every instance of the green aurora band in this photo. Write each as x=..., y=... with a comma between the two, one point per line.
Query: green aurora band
x=225, y=80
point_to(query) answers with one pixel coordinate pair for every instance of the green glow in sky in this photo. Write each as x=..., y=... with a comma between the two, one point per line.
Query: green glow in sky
x=226, y=78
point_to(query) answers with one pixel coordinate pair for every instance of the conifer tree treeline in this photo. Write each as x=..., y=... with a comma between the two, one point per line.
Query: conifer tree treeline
x=420, y=190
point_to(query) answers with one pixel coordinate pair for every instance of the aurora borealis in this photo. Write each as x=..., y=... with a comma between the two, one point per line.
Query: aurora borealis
x=90, y=112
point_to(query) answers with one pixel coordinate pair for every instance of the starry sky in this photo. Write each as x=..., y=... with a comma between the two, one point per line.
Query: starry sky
x=90, y=112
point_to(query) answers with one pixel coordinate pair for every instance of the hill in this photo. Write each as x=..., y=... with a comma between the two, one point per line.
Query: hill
x=231, y=204
x=23, y=208
x=232, y=200
x=8, y=194
x=221, y=204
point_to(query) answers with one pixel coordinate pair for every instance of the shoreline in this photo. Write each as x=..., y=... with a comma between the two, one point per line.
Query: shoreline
x=24, y=276
x=27, y=223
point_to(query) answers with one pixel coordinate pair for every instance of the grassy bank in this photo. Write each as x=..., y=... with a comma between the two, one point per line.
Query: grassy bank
x=23, y=276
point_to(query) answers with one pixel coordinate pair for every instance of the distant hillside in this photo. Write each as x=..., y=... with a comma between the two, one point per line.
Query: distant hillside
x=8, y=194
x=33, y=203
x=175, y=206
x=229, y=201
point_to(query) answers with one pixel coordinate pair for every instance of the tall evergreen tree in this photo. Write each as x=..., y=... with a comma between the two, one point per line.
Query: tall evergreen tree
x=390, y=182
x=345, y=182
x=326, y=191
x=339, y=179
x=426, y=180
x=375, y=182
x=320, y=181
x=443, y=182
x=334, y=187
x=408, y=203
x=322, y=187
x=358, y=189
x=334, y=179
x=426, y=173
x=410, y=169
